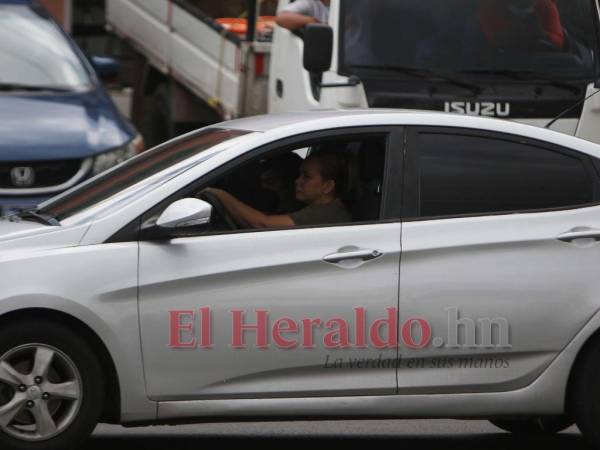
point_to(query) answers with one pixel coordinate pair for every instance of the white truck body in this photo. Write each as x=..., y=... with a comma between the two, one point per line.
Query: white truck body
x=186, y=48
x=237, y=79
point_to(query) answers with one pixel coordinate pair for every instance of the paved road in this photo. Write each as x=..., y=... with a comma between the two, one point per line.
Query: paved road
x=392, y=434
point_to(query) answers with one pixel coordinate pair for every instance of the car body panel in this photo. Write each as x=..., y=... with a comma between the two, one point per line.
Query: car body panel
x=545, y=396
x=510, y=268
x=283, y=273
x=105, y=302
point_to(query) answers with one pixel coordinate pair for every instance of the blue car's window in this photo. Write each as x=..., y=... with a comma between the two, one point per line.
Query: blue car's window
x=34, y=51
x=134, y=171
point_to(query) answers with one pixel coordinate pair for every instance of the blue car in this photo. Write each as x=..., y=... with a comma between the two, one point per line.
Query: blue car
x=58, y=125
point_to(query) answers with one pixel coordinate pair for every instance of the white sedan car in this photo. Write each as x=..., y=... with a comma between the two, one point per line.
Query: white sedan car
x=320, y=265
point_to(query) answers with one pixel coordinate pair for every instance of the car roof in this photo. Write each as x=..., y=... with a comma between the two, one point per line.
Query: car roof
x=303, y=122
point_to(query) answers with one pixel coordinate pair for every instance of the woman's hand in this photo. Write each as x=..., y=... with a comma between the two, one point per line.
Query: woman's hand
x=245, y=214
x=214, y=191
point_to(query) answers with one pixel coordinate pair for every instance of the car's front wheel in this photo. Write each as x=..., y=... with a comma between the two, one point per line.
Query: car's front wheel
x=51, y=387
x=537, y=426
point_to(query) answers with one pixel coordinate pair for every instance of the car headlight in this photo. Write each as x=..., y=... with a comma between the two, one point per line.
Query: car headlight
x=105, y=161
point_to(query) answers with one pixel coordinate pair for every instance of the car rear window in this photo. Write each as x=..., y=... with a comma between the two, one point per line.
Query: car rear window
x=464, y=175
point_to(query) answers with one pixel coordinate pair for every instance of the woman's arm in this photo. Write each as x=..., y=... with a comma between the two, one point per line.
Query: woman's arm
x=249, y=216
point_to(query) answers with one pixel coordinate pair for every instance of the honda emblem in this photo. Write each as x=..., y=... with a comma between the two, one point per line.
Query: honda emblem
x=22, y=176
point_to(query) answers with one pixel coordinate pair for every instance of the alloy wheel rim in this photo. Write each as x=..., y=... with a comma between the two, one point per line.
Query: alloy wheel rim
x=40, y=392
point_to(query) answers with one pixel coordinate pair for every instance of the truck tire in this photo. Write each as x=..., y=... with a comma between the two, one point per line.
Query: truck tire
x=51, y=387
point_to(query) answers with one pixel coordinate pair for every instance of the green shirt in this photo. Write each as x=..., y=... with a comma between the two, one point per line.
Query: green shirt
x=331, y=213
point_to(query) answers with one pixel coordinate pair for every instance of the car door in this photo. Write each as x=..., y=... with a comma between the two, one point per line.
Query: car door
x=500, y=256
x=196, y=291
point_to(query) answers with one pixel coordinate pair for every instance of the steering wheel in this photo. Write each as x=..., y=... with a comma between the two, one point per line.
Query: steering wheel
x=220, y=208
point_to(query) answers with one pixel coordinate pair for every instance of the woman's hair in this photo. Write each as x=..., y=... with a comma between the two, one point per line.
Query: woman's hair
x=332, y=166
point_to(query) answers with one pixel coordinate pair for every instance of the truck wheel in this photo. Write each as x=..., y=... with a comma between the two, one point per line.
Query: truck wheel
x=549, y=425
x=585, y=401
x=51, y=387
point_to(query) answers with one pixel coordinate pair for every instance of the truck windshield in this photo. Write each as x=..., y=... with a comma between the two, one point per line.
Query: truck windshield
x=34, y=53
x=537, y=38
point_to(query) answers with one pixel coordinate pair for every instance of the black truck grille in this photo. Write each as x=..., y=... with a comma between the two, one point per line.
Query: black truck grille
x=37, y=174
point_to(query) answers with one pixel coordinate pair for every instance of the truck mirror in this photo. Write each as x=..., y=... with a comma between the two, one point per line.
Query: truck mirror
x=318, y=47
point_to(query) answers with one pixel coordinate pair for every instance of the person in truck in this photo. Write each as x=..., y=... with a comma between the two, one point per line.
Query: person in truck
x=522, y=24
x=300, y=13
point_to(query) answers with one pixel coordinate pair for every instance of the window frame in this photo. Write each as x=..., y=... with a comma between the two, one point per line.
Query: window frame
x=391, y=198
x=412, y=169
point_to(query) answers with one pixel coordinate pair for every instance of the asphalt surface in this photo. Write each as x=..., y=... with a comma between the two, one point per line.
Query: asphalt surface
x=415, y=434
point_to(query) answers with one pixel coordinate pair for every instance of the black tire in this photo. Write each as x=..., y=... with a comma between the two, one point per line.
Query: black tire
x=534, y=426
x=72, y=352
x=585, y=401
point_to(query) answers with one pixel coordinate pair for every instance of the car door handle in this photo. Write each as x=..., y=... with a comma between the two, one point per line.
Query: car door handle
x=571, y=236
x=364, y=255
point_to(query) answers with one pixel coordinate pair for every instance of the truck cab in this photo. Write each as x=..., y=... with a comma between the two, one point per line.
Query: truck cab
x=526, y=60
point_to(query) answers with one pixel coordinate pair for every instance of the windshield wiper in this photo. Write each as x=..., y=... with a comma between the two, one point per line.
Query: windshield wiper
x=526, y=75
x=35, y=215
x=424, y=73
x=32, y=88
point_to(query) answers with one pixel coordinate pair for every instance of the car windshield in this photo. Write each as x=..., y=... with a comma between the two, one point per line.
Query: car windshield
x=531, y=38
x=134, y=171
x=34, y=53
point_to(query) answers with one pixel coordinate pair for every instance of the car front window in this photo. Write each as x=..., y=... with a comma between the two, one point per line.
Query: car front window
x=35, y=53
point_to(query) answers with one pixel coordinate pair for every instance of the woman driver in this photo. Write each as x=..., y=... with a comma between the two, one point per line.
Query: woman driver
x=320, y=181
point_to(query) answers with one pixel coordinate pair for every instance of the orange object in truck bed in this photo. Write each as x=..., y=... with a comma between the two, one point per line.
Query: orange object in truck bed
x=240, y=26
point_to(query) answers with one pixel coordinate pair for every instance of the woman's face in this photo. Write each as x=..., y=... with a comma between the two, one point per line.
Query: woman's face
x=310, y=186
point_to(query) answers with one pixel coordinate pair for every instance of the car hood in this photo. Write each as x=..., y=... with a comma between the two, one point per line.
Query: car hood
x=9, y=230
x=38, y=126
x=22, y=235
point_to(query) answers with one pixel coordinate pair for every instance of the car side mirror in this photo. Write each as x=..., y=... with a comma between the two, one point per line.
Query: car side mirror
x=318, y=47
x=188, y=212
x=106, y=68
